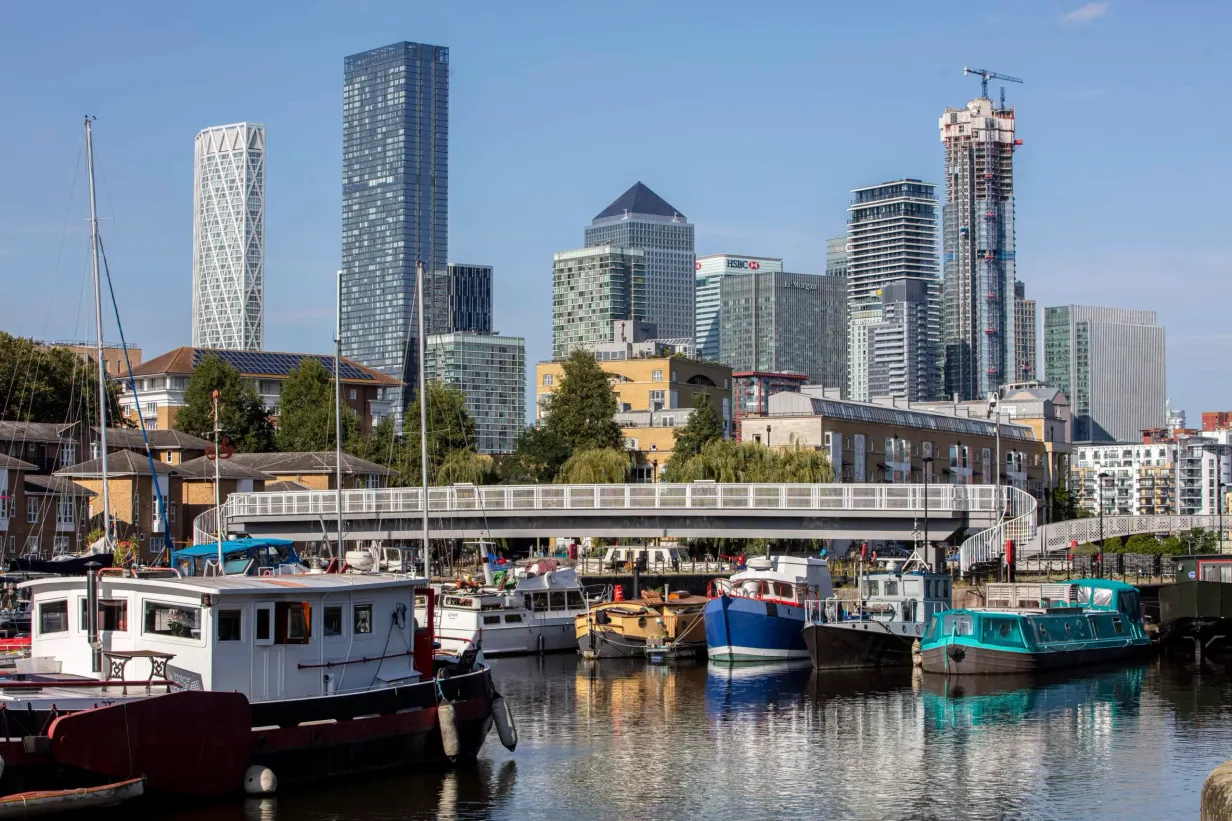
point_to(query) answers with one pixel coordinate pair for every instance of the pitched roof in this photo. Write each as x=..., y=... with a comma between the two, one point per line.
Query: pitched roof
x=203, y=468
x=162, y=439
x=56, y=485
x=257, y=364
x=34, y=431
x=13, y=463
x=284, y=487
x=119, y=463
x=639, y=200
x=308, y=462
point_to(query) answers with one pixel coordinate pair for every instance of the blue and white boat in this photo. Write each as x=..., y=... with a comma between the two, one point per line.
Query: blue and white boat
x=758, y=614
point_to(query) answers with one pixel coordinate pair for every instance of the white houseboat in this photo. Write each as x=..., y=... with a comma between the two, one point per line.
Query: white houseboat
x=537, y=616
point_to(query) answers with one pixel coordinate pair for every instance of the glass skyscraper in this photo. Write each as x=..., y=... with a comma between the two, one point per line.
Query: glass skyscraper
x=395, y=187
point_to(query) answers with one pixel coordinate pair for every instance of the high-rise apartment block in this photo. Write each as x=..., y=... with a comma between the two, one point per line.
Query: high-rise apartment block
x=640, y=218
x=711, y=270
x=490, y=371
x=229, y=237
x=892, y=238
x=1026, y=362
x=784, y=322
x=591, y=289
x=1110, y=362
x=395, y=190
x=460, y=300
x=978, y=248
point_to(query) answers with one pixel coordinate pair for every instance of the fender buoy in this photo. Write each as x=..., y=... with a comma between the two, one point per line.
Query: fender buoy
x=448, y=719
x=260, y=781
x=505, y=728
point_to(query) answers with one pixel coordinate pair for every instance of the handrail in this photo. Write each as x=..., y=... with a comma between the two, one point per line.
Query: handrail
x=1018, y=524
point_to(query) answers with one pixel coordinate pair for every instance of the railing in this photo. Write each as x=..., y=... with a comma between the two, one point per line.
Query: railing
x=204, y=528
x=1018, y=524
x=1057, y=536
x=942, y=499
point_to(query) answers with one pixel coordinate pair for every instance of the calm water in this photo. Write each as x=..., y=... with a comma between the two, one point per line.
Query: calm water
x=623, y=740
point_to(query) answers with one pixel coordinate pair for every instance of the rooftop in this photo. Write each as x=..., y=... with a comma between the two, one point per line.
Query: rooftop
x=308, y=462
x=44, y=485
x=256, y=363
x=203, y=468
x=640, y=200
x=34, y=431
x=240, y=585
x=13, y=463
x=119, y=463
x=162, y=439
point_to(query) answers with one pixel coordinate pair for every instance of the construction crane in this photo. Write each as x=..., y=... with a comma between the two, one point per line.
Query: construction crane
x=986, y=75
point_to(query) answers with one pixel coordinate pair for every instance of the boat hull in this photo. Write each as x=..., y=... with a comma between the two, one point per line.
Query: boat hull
x=967, y=660
x=740, y=630
x=861, y=645
x=552, y=635
x=599, y=643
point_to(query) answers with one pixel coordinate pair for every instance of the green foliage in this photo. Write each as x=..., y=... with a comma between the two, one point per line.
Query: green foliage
x=1173, y=546
x=1113, y=544
x=242, y=416
x=596, y=466
x=306, y=410
x=728, y=461
x=1144, y=543
x=703, y=427
x=450, y=429
x=55, y=385
x=538, y=459
x=1086, y=549
x=1199, y=540
x=462, y=466
x=1064, y=504
x=582, y=409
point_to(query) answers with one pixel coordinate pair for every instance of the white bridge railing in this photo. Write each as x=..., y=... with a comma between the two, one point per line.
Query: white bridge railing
x=1019, y=524
x=1057, y=536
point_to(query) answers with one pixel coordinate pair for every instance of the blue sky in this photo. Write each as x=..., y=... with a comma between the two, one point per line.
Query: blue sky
x=755, y=120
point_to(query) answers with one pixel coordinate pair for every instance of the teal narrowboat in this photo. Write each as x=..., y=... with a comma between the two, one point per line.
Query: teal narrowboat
x=1025, y=628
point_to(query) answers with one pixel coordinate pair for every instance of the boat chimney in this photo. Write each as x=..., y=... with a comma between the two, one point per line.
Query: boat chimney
x=487, y=567
x=96, y=647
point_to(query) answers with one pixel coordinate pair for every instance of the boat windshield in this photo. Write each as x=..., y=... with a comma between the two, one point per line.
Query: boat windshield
x=955, y=624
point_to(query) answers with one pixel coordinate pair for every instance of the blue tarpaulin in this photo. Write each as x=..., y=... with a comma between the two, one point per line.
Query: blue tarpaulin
x=232, y=546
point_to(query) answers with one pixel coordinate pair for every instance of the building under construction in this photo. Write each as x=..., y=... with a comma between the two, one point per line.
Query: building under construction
x=978, y=245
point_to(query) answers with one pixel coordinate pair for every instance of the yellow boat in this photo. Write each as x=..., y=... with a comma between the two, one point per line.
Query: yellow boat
x=649, y=626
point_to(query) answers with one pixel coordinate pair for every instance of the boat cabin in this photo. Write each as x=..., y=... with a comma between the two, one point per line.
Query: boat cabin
x=1213, y=567
x=784, y=579
x=241, y=557
x=656, y=557
x=911, y=596
x=268, y=637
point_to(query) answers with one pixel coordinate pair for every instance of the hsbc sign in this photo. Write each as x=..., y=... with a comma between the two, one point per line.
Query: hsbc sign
x=746, y=264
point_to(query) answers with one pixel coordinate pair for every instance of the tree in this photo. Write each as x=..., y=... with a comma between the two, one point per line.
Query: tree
x=596, y=466
x=462, y=466
x=583, y=409
x=306, y=410
x=538, y=458
x=1199, y=540
x=1144, y=543
x=242, y=415
x=1173, y=546
x=1064, y=505
x=703, y=427
x=1113, y=544
x=450, y=429
x=727, y=461
x=42, y=384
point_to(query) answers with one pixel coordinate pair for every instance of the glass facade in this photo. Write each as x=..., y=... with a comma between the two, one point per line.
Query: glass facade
x=395, y=187
x=461, y=300
x=708, y=281
x=490, y=371
x=591, y=289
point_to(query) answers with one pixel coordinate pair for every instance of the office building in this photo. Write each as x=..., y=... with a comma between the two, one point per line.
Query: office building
x=1204, y=474
x=655, y=398
x=753, y=390
x=490, y=372
x=461, y=300
x=229, y=237
x=395, y=191
x=784, y=322
x=1214, y=420
x=632, y=339
x=591, y=289
x=837, y=257
x=1110, y=362
x=640, y=218
x=892, y=237
x=1025, y=335
x=978, y=248
x=710, y=273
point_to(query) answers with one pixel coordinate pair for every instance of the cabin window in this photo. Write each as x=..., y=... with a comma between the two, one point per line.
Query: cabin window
x=1117, y=625
x=539, y=601
x=558, y=599
x=265, y=624
x=957, y=625
x=292, y=622
x=513, y=618
x=229, y=625
x=931, y=633
x=491, y=619
x=112, y=615
x=891, y=587
x=172, y=620
x=1083, y=598
x=1101, y=598
x=785, y=591
x=1127, y=605
x=576, y=602
x=928, y=588
x=363, y=618
x=53, y=616
x=332, y=621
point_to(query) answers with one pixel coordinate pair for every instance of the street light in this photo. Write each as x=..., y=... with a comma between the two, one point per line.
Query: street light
x=767, y=436
x=1100, y=563
x=1222, y=489
x=927, y=469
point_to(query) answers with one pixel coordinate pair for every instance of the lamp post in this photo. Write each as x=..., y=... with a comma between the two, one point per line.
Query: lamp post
x=767, y=436
x=1222, y=488
x=1100, y=496
x=926, y=469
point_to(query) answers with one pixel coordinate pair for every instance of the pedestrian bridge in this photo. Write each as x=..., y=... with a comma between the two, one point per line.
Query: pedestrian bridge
x=697, y=509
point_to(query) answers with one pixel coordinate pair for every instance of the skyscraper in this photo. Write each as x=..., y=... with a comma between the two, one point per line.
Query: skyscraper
x=1110, y=362
x=891, y=237
x=640, y=218
x=710, y=273
x=395, y=187
x=902, y=359
x=490, y=372
x=229, y=237
x=461, y=300
x=978, y=248
x=1026, y=362
x=591, y=289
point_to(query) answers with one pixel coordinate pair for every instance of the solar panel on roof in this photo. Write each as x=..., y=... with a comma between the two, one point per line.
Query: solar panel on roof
x=276, y=364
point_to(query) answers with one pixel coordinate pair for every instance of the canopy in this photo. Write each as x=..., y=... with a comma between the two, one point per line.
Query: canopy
x=231, y=546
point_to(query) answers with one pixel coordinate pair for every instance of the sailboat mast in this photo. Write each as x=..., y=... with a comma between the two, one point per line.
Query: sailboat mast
x=98, y=334
x=423, y=412
x=338, y=412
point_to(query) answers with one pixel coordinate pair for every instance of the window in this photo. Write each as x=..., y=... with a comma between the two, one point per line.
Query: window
x=491, y=619
x=292, y=622
x=176, y=620
x=112, y=615
x=53, y=617
x=547, y=379
x=557, y=600
x=265, y=616
x=353, y=394
x=171, y=507
x=229, y=625
x=576, y=602
x=891, y=587
x=513, y=618
x=32, y=506
x=658, y=400
x=333, y=621
x=540, y=601
x=656, y=376
x=68, y=454
x=363, y=618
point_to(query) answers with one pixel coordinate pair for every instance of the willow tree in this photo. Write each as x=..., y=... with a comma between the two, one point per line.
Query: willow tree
x=596, y=466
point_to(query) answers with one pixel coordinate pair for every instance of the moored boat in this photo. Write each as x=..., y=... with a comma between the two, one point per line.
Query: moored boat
x=1027, y=628
x=758, y=614
x=672, y=628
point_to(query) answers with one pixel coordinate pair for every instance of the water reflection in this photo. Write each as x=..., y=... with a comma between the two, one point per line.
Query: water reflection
x=619, y=739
